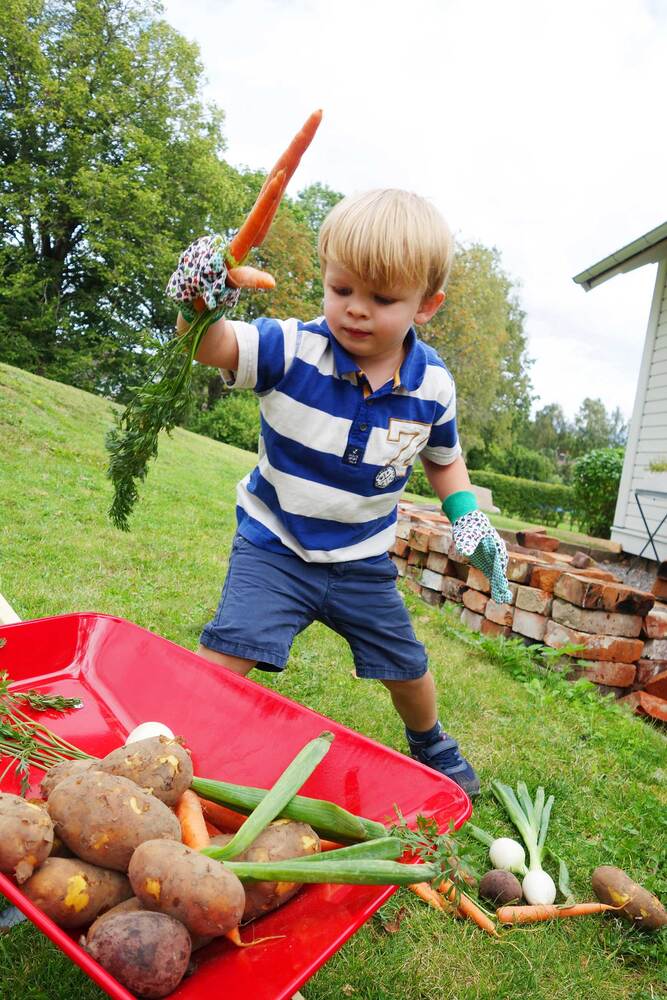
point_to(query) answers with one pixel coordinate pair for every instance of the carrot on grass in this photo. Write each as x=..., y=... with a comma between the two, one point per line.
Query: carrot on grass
x=193, y=825
x=428, y=894
x=467, y=907
x=533, y=914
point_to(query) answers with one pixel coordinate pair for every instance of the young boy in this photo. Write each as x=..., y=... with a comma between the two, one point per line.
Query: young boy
x=347, y=401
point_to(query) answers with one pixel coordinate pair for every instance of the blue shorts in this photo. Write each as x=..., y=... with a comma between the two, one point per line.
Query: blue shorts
x=270, y=597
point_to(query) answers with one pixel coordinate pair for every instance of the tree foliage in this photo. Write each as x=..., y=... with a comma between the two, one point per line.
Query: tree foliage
x=479, y=333
x=596, y=478
x=111, y=163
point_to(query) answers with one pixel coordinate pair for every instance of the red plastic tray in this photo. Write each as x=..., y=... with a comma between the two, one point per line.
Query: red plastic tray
x=239, y=731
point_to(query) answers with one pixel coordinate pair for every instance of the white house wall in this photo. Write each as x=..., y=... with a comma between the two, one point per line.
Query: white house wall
x=647, y=440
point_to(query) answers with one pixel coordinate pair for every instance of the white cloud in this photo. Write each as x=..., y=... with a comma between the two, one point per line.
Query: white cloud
x=534, y=126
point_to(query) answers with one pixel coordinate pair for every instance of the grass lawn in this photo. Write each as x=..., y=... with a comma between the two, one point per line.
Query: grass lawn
x=607, y=770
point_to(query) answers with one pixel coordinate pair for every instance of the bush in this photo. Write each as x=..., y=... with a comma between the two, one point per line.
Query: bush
x=595, y=481
x=541, y=503
x=418, y=483
x=517, y=461
x=234, y=419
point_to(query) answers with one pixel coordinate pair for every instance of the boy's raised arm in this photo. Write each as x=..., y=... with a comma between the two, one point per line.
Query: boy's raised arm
x=218, y=348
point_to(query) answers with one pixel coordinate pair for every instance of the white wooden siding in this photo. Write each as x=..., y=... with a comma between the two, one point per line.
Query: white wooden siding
x=647, y=440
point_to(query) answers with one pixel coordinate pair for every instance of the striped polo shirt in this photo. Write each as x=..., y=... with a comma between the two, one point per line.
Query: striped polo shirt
x=334, y=455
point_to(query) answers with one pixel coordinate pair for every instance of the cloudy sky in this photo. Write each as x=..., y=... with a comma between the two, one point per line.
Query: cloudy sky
x=536, y=127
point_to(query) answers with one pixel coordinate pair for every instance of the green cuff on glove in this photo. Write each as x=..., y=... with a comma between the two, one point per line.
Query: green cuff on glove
x=457, y=504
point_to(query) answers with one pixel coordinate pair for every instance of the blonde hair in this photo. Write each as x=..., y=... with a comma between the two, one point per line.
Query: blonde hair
x=390, y=239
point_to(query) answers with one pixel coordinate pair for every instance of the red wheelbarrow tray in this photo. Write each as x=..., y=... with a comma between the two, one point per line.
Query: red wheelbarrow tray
x=237, y=731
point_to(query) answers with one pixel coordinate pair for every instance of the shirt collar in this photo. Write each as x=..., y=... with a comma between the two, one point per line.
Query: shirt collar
x=410, y=375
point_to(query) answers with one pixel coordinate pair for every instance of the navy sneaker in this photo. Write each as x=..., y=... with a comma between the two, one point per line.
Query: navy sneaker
x=442, y=754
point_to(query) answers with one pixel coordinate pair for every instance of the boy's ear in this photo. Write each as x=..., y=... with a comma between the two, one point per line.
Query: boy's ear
x=429, y=307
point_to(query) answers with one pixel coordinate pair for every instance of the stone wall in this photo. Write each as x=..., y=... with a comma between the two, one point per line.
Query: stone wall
x=559, y=598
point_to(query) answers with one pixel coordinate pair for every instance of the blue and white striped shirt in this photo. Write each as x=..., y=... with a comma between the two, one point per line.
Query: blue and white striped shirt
x=334, y=456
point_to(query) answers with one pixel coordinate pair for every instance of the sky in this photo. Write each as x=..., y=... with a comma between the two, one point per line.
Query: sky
x=535, y=127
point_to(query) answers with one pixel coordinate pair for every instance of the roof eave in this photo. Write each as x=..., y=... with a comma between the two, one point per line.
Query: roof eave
x=648, y=249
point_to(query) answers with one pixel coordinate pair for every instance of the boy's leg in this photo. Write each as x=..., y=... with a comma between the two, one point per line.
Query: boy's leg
x=234, y=663
x=365, y=607
x=415, y=702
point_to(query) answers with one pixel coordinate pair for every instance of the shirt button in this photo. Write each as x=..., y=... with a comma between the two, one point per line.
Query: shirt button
x=363, y=427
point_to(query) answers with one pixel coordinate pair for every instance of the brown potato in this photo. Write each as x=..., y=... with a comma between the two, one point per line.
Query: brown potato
x=63, y=770
x=643, y=909
x=198, y=891
x=147, y=952
x=73, y=892
x=132, y=905
x=284, y=838
x=26, y=836
x=159, y=765
x=102, y=818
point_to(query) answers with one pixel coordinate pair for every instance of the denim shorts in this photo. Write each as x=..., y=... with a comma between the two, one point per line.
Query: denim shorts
x=270, y=597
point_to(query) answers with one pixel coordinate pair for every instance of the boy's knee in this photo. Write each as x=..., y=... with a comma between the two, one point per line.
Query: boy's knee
x=234, y=663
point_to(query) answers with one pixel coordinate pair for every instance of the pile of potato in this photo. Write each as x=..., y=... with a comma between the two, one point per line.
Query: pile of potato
x=104, y=852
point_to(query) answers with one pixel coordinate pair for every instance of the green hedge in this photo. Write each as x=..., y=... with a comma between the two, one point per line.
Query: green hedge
x=541, y=503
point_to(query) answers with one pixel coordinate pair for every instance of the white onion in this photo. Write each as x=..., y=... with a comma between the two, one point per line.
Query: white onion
x=539, y=888
x=145, y=730
x=508, y=855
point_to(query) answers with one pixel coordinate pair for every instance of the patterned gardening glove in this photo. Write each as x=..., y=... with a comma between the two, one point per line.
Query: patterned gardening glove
x=475, y=537
x=202, y=273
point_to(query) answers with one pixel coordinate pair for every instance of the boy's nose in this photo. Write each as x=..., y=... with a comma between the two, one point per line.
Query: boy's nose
x=356, y=307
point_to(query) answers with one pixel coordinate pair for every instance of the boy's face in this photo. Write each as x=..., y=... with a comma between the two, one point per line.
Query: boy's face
x=370, y=322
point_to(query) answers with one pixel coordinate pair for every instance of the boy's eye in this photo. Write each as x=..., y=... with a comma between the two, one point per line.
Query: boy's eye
x=341, y=290
x=384, y=301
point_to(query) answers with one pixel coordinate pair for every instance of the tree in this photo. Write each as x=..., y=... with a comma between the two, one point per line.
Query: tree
x=479, y=333
x=595, y=428
x=111, y=164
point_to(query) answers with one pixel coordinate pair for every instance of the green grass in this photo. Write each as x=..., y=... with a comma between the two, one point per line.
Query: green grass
x=607, y=770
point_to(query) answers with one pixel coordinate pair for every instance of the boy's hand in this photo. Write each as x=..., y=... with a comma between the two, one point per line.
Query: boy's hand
x=203, y=281
x=475, y=537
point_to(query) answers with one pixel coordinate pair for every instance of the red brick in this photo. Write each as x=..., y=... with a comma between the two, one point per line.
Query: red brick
x=493, y=628
x=454, y=554
x=599, y=595
x=475, y=601
x=597, y=622
x=501, y=614
x=655, y=649
x=439, y=542
x=545, y=577
x=433, y=597
x=529, y=624
x=646, y=704
x=659, y=589
x=413, y=585
x=658, y=685
x=646, y=669
x=460, y=570
x=401, y=547
x=472, y=620
x=419, y=539
x=608, y=672
x=655, y=623
x=416, y=558
x=536, y=601
x=437, y=561
x=453, y=589
x=403, y=529
x=537, y=540
x=595, y=647
x=519, y=568
x=431, y=580
x=478, y=581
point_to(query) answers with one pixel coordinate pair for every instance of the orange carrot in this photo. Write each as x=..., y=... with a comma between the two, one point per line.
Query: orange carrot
x=532, y=914
x=429, y=895
x=225, y=819
x=190, y=816
x=211, y=830
x=467, y=907
x=290, y=160
x=260, y=216
x=249, y=277
x=235, y=938
x=329, y=845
